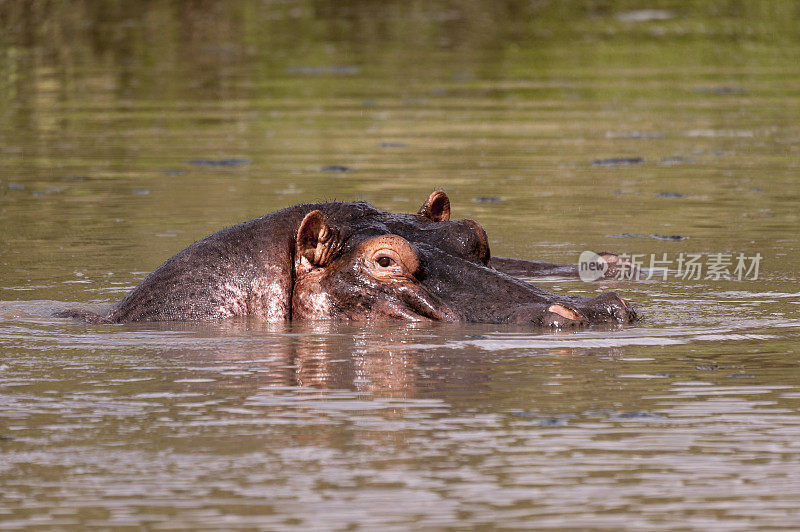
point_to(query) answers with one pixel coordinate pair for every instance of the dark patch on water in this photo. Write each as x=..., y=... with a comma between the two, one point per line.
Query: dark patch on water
x=393, y=145
x=637, y=414
x=336, y=168
x=671, y=238
x=722, y=90
x=670, y=195
x=219, y=162
x=49, y=191
x=618, y=161
x=707, y=367
x=559, y=420
x=173, y=173
x=141, y=191
x=552, y=422
x=487, y=199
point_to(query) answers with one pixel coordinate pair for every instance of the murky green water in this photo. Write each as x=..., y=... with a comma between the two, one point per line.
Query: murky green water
x=129, y=130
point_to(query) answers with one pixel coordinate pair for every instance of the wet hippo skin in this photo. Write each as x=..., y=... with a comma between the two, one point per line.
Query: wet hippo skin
x=351, y=261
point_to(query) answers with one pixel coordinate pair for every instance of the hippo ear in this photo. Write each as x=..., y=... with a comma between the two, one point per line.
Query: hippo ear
x=437, y=208
x=317, y=242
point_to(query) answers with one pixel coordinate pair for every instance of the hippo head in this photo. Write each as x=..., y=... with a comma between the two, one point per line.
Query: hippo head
x=423, y=267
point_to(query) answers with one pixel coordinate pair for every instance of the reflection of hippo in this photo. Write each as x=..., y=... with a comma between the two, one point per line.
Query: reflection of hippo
x=351, y=261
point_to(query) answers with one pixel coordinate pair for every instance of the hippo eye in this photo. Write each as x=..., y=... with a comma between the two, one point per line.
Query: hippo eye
x=388, y=258
x=384, y=262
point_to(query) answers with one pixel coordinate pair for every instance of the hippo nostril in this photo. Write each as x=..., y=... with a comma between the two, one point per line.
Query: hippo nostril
x=564, y=312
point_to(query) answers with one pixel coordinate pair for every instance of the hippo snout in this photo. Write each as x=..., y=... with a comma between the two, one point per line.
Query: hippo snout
x=548, y=316
x=575, y=313
x=608, y=308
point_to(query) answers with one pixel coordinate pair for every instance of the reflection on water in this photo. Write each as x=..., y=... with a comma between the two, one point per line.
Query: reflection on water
x=242, y=424
x=129, y=130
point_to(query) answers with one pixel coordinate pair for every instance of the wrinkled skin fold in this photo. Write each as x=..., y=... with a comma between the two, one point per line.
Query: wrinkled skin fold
x=351, y=261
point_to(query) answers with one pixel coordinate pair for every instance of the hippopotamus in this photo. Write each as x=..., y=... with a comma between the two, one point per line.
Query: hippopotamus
x=352, y=261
